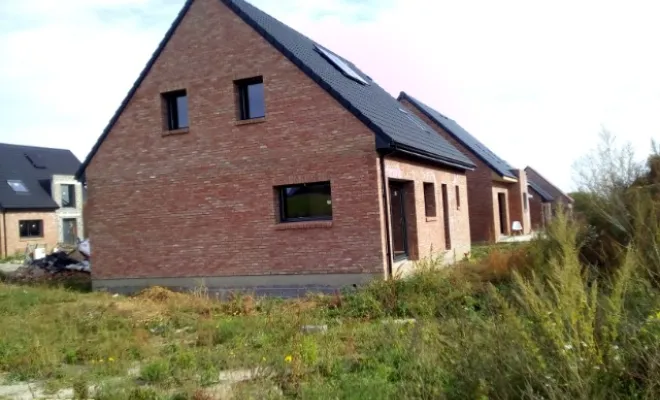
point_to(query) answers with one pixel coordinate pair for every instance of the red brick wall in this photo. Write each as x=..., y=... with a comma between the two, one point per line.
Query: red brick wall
x=16, y=244
x=430, y=235
x=202, y=203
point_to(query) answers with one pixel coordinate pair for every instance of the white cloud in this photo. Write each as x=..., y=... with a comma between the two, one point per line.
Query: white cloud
x=534, y=81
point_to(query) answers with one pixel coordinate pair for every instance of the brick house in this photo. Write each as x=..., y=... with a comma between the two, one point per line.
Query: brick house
x=546, y=199
x=40, y=200
x=248, y=156
x=497, y=191
x=540, y=206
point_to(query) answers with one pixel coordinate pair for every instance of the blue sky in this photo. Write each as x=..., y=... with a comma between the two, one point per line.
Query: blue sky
x=535, y=81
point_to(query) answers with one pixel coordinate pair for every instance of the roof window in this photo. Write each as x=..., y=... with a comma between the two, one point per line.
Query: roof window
x=341, y=65
x=17, y=186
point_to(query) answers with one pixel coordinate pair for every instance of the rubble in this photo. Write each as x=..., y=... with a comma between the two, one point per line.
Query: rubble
x=59, y=263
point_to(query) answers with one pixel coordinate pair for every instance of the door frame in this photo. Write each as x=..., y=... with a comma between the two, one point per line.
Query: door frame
x=401, y=187
x=503, y=213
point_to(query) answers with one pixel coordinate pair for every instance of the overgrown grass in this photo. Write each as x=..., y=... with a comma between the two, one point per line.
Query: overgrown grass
x=527, y=321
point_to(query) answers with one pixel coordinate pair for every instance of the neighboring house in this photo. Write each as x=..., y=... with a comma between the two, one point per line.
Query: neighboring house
x=540, y=206
x=247, y=155
x=497, y=191
x=552, y=197
x=40, y=200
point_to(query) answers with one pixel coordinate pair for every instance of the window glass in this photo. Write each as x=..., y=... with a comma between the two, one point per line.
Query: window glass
x=30, y=228
x=306, y=201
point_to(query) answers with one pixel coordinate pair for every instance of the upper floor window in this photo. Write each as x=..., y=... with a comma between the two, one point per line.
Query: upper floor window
x=31, y=228
x=251, y=99
x=307, y=201
x=68, y=195
x=176, y=104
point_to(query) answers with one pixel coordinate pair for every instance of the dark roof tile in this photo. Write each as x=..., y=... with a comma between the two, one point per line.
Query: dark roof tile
x=34, y=167
x=479, y=149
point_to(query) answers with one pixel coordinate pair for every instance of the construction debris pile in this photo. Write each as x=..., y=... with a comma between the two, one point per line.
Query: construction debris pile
x=59, y=261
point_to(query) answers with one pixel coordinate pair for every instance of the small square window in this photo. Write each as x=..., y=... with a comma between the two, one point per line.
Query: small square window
x=31, y=228
x=17, y=186
x=304, y=202
x=251, y=98
x=429, y=199
x=176, y=104
x=458, y=198
x=68, y=195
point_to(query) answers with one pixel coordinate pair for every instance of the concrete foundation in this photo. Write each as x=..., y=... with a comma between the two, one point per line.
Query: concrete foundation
x=267, y=285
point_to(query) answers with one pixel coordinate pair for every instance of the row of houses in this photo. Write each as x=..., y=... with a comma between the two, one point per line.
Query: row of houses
x=248, y=155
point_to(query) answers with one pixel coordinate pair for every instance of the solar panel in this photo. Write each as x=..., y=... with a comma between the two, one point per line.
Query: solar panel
x=18, y=186
x=341, y=65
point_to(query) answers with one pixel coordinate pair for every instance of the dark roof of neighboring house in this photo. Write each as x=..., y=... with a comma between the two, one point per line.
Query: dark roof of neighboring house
x=370, y=103
x=34, y=167
x=462, y=136
x=545, y=196
x=537, y=179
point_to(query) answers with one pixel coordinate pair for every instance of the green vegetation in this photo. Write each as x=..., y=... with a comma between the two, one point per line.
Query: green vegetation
x=534, y=320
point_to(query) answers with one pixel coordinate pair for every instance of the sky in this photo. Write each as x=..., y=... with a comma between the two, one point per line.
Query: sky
x=534, y=81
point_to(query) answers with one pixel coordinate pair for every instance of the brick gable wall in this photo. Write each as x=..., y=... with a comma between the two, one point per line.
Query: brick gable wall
x=202, y=203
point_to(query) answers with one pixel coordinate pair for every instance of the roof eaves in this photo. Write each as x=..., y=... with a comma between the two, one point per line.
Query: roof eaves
x=432, y=157
x=81, y=171
x=411, y=100
x=544, y=195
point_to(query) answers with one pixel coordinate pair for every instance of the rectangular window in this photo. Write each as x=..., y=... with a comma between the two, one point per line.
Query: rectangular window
x=177, y=109
x=68, y=195
x=429, y=199
x=307, y=201
x=251, y=99
x=525, y=201
x=458, y=198
x=31, y=228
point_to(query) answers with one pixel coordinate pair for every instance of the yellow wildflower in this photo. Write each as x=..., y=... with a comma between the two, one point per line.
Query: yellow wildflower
x=263, y=359
x=111, y=359
x=288, y=359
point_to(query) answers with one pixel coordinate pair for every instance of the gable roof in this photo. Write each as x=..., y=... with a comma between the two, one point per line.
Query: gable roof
x=370, y=103
x=464, y=137
x=34, y=167
x=534, y=177
x=545, y=196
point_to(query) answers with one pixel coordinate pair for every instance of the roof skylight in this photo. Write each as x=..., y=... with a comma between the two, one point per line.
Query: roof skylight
x=341, y=65
x=18, y=186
